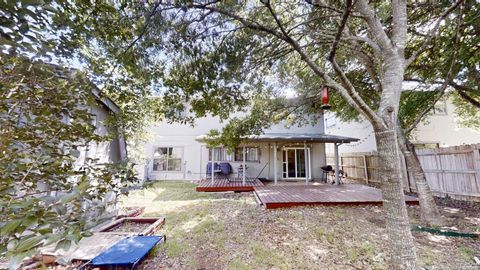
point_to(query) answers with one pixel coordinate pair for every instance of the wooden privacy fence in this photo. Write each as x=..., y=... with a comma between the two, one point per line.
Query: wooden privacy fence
x=450, y=171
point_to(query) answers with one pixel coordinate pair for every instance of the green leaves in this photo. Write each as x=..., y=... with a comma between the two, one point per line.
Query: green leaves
x=10, y=227
x=63, y=244
x=28, y=243
x=30, y=221
x=47, y=195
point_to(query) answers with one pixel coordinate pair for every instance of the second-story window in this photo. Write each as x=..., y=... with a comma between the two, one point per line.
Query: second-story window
x=440, y=108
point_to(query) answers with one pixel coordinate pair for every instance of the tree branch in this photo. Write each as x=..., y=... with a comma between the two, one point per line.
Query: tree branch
x=400, y=25
x=376, y=27
x=343, y=22
x=432, y=33
x=448, y=77
x=348, y=92
x=363, y=106
x=466, y=96
x=351, y=97
x=366, y=40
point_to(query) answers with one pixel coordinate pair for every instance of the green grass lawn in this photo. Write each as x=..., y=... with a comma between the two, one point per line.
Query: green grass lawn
x=230, y=231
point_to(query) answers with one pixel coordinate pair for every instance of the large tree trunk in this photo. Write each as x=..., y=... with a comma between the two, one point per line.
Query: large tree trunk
x=429, y=212
x=402, y=248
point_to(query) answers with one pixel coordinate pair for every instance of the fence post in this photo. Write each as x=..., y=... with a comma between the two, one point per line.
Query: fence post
x=365, y=167
x=341, y=163
x=438, y=167
x=405, y=172
x=476, y=162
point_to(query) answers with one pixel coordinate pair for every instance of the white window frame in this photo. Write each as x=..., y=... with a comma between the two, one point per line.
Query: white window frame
x=443, y=105
x=247, y=149
x=224, y=153
x=167, y=159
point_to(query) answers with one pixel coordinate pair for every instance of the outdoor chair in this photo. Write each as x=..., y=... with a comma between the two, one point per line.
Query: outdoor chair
x=342, y=175
x=329, y=171
x=241, y=171
x=226, y=169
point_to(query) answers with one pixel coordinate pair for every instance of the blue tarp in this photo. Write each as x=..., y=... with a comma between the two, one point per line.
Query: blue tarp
x=127, y=252
x=216, y=167
x=224, y=167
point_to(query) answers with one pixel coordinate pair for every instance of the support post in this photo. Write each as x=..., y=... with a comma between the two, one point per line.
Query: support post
x=337, y=166
x=275, y=177
x=365, y=167
x=405, y=172
x=306, y=164
x=213, y=164
x=244, y=166
x=476, y=161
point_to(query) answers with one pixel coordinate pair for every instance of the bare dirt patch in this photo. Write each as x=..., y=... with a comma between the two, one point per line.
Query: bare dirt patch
x=130, y=226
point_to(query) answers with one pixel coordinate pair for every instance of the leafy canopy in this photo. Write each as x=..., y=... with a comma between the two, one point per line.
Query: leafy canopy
x=47, y=193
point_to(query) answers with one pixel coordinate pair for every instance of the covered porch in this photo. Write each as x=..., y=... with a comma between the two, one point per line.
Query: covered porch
x=271, y=157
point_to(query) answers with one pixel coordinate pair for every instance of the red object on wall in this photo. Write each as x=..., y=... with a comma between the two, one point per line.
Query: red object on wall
x=325, y=99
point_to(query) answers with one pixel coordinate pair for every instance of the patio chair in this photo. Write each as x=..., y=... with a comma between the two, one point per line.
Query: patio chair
x=341, y=175
x=241, y=171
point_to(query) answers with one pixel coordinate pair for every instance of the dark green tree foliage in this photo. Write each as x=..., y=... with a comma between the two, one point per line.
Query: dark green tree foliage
x=413, y=103
x=62, y=31
x=199, y=63
x=429, y=71
x=468, y=114
x=45, y=196
x=432, y=67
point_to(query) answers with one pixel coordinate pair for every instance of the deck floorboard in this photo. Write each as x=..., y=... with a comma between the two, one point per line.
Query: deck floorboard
x=232, y=184
x=277, y=196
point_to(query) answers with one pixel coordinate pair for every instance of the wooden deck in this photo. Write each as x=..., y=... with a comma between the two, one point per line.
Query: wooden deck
x=232, y=184
x=298, y=195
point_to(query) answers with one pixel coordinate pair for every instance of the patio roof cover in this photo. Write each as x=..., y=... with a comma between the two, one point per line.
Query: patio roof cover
x=293, y=137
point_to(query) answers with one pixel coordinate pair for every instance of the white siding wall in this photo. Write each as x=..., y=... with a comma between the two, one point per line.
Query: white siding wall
x=441, y=129
x=105, y=152
x=178, y=135
x=361, y=130
x=195, y=154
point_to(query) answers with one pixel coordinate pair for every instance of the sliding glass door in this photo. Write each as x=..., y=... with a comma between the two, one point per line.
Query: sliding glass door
x=294, y=163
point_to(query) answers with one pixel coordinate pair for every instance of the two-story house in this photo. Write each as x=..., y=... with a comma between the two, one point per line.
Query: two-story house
x=181, y=152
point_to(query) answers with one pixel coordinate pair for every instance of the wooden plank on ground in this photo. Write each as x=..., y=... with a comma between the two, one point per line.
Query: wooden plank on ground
x=89, y=247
